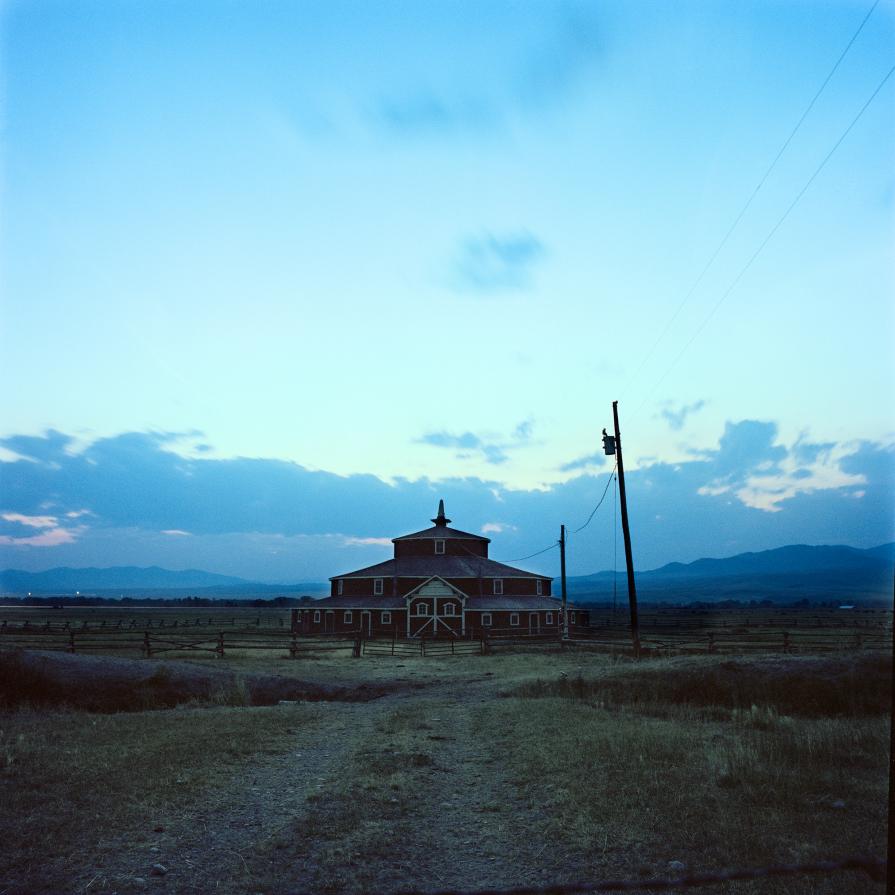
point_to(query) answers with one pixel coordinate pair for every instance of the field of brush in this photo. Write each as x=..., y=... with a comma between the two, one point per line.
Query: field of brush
x=386, y=774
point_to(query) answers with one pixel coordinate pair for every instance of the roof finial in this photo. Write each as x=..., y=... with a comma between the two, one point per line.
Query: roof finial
x=440, y=518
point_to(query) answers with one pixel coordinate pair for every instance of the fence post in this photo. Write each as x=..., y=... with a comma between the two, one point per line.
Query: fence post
x=293, y=649
x=71, y=641
x=711, y=643
x=220, y=646
x=147, y=645
x=357, y=644
x=786, y=641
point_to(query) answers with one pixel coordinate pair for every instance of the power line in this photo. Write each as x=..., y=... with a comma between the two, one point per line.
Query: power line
x=599, y=503
x=749, y=201
x=530, y=555
x=768, y=238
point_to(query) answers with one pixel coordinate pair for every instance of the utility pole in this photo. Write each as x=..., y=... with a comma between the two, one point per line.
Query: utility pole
x=613, y=445
x=562, y=572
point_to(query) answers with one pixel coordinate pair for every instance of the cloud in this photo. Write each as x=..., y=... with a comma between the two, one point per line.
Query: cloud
x=176, y=532
x=490, y=263
x=492, y=450
x=425, y=113
x=677, y=418
x=367, y=542
x=466, y=445
x=32, y=521
x=598, y=459
x=273, y=520
x=497, y=528
x=569, y=47
x=53, y=537
x=563, y=61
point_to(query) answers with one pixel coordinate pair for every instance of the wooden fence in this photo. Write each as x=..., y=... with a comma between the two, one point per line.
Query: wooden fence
x=656, y=640
x=182, y=640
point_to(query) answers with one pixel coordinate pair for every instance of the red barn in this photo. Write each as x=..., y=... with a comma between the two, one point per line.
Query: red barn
x=440, y=583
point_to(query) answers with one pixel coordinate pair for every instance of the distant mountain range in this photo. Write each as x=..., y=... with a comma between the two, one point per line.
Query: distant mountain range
x=131, y=580
x=785, y=574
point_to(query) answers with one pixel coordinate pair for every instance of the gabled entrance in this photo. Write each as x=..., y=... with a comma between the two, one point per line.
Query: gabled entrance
x=436, y=609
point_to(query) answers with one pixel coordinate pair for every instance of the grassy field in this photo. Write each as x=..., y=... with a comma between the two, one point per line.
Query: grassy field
x=514, y=769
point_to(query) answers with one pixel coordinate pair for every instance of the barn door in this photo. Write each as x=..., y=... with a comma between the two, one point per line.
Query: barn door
x=366, y=623
x=534, y=625
x=329, y=622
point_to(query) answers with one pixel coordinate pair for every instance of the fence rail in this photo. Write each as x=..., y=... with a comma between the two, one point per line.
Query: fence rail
x=190, y=638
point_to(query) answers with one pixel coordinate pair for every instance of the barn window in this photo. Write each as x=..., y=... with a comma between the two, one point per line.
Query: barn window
x=498, y=585
x=549, y=619
x=486, y=619
x=317, y=616
x=514, y=618
x=539, y=587
x=377, y=587
x=572, y=617
x=422, y=609
x=347, y=616
x=341, y=586
x=450, y=609
x=386, y=618
x=439, y=546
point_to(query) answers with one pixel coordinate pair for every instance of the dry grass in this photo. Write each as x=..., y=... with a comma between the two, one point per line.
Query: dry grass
x=508, y=770
x=75, y=786
x=693, y=761
x=845, y=685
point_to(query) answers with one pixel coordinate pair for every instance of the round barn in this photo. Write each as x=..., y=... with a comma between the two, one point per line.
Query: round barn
x=440, y=583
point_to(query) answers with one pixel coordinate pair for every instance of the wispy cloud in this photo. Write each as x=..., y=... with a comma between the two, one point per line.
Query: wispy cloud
x=677, y=417
x=563, y=61
x=569, y=49
x=31, y=521
x=466, y=444
x=497, y=528
x=493, y=263
x=589, y=461
x=425, y=113
x=53, y=537
x=367, y=542
x=492, y=449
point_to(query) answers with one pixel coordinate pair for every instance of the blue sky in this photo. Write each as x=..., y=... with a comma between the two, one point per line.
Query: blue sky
x=332, y=260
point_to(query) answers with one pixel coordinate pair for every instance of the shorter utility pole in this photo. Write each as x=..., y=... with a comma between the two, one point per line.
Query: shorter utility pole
x=562, y=572
x=613, y=445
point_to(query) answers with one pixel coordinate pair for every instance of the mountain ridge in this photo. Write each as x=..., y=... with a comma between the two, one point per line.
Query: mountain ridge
x=783, y=571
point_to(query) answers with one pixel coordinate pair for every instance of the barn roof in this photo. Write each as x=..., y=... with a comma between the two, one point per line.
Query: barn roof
x=442, y=532
x=381, y=602
x=479, y=604
x=512, y=604
x=441, y=565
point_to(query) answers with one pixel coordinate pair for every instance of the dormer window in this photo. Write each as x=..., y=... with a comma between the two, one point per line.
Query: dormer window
x=498, y=585
x=439, y=546
x=377, y=587
x=341, y=586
